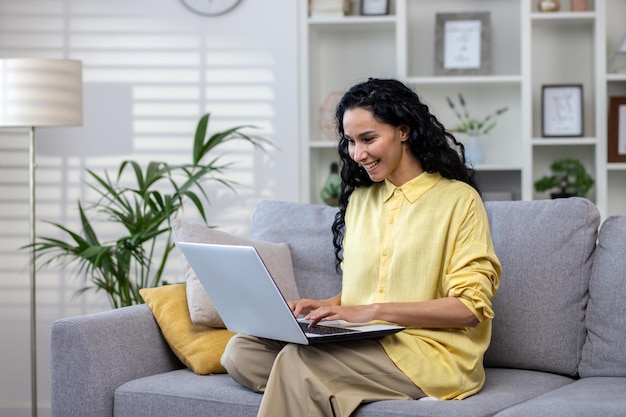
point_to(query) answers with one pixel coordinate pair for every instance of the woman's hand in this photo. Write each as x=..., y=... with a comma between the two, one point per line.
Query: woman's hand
x=305, y=305
x=353, y=314
x=331, y=309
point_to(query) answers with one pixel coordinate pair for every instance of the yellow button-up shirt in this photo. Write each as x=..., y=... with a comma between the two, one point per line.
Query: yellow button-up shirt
x=424, y=240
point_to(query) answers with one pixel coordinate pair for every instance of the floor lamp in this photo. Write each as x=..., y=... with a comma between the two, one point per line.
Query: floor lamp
x=37, y=92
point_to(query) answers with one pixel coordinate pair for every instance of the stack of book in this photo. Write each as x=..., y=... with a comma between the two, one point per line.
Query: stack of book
x=329, y=8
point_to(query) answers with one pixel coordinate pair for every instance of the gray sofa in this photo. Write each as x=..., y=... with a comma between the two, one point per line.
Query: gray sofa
x=559, y=335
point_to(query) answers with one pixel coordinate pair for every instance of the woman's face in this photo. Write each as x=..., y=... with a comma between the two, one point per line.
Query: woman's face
x=379, y=147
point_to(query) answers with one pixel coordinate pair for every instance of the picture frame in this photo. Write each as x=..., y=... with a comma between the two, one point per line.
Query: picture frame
x=374, y=7
x=463, y=43
x=617, y=129
x=562, y=110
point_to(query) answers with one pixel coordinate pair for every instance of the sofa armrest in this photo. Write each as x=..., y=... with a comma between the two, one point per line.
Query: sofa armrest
x=92, y=355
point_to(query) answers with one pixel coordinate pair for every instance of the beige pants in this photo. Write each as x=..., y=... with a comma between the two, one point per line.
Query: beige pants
x=330, y=379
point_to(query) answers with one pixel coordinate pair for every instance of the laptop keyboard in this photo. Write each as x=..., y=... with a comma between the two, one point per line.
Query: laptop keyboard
x=323, y=330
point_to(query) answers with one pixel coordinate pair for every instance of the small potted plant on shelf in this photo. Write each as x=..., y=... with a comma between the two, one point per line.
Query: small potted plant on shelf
x=569, y=178
x=332, y=186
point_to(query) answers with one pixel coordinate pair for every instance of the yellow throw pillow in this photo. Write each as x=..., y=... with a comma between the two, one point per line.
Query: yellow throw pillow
x=197, y=346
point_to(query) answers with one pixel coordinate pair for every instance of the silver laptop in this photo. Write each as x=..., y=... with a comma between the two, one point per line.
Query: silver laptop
x=249, y=302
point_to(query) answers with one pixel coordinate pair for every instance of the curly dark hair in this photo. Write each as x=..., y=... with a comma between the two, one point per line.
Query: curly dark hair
x=394, y=103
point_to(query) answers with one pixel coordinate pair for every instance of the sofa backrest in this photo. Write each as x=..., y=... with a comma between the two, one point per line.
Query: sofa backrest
x=307, y=230
x=604, y=352
x=546, y=249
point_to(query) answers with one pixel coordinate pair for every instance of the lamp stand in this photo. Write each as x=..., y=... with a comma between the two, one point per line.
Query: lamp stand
x=33, y=281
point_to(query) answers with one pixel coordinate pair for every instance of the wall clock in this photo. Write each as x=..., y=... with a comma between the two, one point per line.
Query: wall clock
x=210, y=7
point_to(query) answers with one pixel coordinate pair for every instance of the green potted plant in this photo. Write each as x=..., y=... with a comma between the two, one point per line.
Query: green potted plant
x=141, y=203
x=569, y=179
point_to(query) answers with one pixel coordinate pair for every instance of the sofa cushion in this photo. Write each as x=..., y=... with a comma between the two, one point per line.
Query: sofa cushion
x=604, y=353
x=197, y=346
x=276, y=256
x=584, y=398
x=181, y=393
x=306, y=228
x=546, y=250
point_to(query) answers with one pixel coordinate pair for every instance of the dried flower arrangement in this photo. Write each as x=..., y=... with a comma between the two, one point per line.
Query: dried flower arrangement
x=470, y=125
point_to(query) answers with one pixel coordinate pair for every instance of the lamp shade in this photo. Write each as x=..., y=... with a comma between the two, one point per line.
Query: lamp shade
x=40, y=92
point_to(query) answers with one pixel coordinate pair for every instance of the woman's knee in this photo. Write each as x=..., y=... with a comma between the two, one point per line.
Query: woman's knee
x=248, y=360
x=239, y=350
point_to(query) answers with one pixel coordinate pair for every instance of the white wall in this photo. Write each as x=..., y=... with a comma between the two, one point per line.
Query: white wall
x=150, y=68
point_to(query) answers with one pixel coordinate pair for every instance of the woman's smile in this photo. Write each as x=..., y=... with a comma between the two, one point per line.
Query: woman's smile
x=369, y=166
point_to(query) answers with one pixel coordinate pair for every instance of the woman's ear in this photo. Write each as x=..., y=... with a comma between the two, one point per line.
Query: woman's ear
x=404, y=131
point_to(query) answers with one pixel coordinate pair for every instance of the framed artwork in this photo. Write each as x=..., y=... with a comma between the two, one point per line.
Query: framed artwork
x=562, y=110
x=374, y=7
x=617, y=130
x=463, y=43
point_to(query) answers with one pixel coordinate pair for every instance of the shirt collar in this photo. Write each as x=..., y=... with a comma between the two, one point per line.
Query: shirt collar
x=412, y=189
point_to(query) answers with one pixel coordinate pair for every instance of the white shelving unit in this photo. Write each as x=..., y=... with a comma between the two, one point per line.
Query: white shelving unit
x=529, y=49
x=615, y=83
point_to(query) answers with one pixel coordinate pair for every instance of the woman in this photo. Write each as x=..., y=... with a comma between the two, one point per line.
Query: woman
x=417, y=251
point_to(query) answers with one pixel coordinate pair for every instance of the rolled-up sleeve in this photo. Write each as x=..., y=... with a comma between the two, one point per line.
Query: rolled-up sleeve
x=473, y=273
x=475, y=286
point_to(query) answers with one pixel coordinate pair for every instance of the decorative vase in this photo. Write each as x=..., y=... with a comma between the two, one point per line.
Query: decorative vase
x=332, y=186
x=326, y=119
x=473, y=152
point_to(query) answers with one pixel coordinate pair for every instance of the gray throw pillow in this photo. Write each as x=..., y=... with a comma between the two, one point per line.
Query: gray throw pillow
x=604, y=353
x=276, y=256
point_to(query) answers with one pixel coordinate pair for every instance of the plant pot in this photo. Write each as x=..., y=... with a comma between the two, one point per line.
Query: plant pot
x=560, y=195
x=473, y=152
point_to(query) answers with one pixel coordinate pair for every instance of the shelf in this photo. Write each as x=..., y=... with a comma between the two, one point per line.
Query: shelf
x=616, y=166
x=498, y=167
x=616, y=77
x=472, y=79
x=566, y=141
x=350, y=22
x=564, y=16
